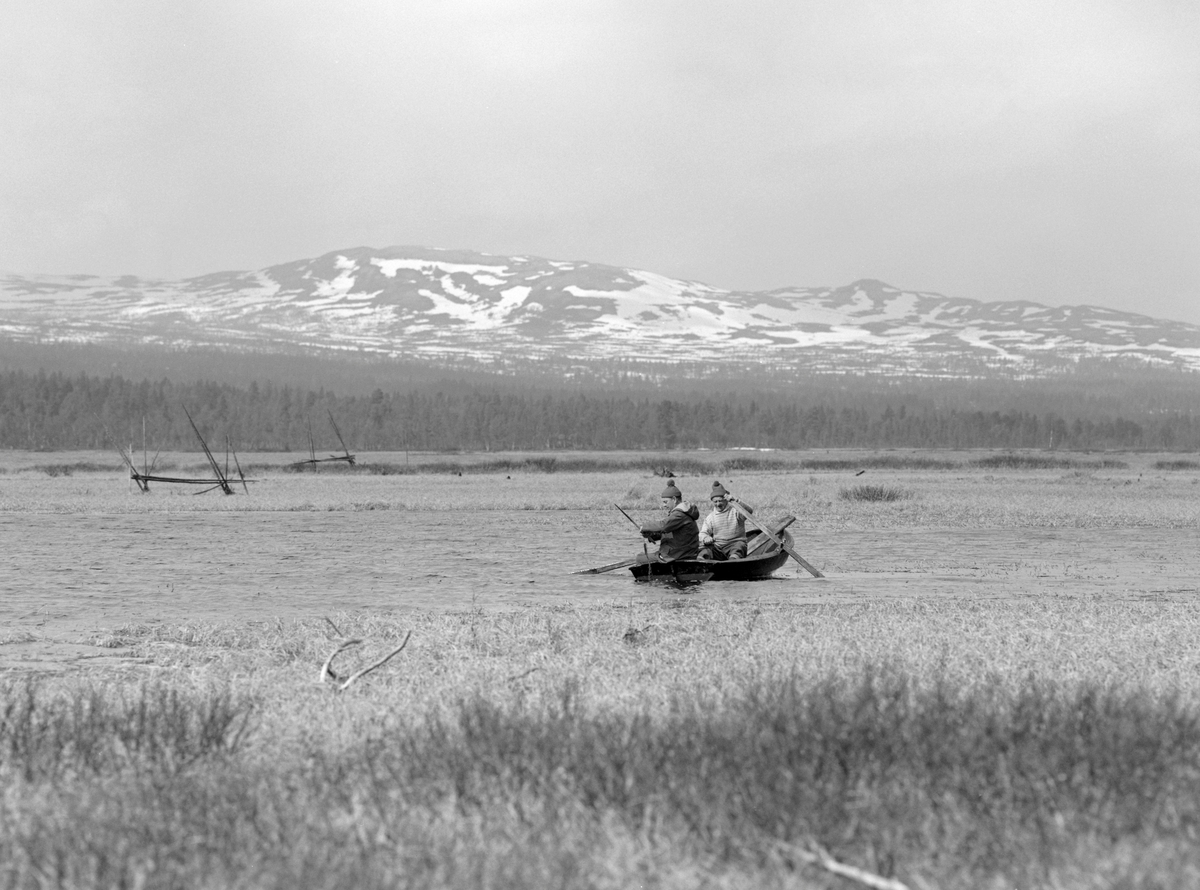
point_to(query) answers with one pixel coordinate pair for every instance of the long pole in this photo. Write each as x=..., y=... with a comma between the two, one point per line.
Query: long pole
x=627, y=516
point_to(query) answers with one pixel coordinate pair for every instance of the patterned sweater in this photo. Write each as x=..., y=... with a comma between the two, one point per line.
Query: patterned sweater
x=724, y=526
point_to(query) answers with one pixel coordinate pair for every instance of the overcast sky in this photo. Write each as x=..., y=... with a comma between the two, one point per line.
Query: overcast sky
x=1047, y=151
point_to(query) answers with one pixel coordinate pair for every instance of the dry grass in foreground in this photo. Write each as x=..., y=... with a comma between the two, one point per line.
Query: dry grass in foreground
x=1046, y=744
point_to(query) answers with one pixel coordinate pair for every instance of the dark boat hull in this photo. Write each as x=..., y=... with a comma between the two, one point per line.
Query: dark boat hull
x=691, y=571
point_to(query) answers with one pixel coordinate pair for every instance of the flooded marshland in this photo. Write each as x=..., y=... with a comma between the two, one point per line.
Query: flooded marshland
x=82, y=550
x=992, y=654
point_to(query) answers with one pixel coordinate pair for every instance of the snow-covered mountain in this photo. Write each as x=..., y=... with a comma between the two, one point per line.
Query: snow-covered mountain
x=419, y=302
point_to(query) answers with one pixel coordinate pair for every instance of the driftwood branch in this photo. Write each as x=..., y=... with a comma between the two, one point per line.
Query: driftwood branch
x=821, y=859
x=327, y=671
x=342, y=683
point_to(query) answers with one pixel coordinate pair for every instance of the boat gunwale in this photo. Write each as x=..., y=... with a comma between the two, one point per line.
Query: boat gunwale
x=749, y=568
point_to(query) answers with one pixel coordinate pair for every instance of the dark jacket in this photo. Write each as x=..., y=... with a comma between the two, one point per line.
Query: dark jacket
x=679, y=536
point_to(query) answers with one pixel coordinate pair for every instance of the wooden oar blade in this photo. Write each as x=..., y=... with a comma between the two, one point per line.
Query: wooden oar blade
x=812, y=570
x=809, y=567
x=600, y=570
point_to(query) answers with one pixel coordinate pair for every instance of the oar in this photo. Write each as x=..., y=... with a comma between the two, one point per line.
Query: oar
x=600, y=570
x=782, y=546
x=627, y=516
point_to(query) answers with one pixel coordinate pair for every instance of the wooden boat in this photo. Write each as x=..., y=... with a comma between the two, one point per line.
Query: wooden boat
x=763, y=558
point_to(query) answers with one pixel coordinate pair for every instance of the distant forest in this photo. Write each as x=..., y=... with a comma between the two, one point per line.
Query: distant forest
x=46, y=411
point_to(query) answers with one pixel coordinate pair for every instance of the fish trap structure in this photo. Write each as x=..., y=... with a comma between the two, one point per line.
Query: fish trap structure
x=221, y=479
x=313, y=461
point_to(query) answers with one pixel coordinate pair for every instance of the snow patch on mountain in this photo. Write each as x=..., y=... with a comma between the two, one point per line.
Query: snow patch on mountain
x=435, y=302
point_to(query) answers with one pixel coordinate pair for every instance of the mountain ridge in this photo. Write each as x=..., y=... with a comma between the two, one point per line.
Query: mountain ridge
x=438, y=305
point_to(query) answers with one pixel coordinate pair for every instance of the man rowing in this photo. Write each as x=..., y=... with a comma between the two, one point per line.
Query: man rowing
x=723, y=534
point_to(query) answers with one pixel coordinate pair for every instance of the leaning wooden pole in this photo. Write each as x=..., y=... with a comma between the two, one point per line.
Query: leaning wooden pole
x=222, y=483
x=237, y=463
x=349, y=458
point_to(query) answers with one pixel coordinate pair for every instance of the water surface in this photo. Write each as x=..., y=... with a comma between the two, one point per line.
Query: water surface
x=64, y=571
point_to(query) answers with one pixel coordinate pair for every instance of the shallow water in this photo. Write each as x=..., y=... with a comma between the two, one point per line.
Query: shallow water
x=63, y=571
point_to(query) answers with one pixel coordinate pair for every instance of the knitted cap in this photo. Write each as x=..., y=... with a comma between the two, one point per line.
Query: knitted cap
x=671, y=491
x=717, y=489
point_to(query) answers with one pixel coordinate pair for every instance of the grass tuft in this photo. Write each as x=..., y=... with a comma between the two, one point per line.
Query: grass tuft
x=99, y=729
x=55, y=470
x=879, y=493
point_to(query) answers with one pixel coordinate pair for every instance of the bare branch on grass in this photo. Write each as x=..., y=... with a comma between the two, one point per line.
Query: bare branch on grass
x=341, y=684
x=821, y=859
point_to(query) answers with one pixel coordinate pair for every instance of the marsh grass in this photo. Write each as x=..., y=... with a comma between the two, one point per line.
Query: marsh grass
x=682, y=464
x=93, y=729
x=965, y=499
x=1013, y=461
x=921, y=780
x=676, y=465
x=70, y=469
x=1176, y=465
x=1033, y=742
x=874, y=493
x=1038, y=744
x=882, y=462
x=1084, y=494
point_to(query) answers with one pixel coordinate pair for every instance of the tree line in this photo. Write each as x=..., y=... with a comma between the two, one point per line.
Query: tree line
x=41, y=411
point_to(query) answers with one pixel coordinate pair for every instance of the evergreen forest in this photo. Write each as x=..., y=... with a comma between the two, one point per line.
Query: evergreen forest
x=58, y=411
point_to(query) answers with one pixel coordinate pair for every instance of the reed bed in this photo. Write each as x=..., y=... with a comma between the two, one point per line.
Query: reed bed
x=660, y=465
x=1176, y=465
x=684, y=744
x=1021, y=461
x=966, y=498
